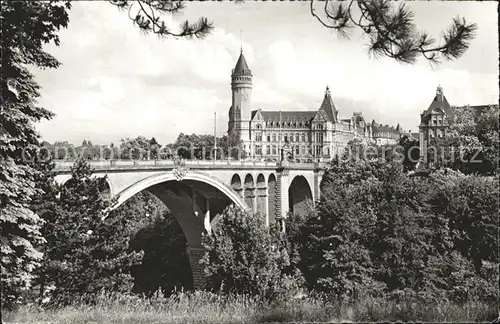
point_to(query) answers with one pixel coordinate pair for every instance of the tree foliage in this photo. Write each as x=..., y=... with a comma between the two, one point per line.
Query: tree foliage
x=376, y=230
x=139, y=148
x=244, y=256
x=391, y=31
x=86, y=250
x=147, y=15
x=26, y=26
x=203, y=147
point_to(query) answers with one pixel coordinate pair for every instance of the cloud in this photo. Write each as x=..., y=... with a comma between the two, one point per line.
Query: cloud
x=116, y=82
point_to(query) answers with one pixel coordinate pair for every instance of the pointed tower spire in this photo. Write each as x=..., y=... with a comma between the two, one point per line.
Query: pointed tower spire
x=241, y=41
x=439, y=92
x=328, y=107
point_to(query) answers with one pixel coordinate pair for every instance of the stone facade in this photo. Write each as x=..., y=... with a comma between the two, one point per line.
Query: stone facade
x=313, y=135
x=436, y=120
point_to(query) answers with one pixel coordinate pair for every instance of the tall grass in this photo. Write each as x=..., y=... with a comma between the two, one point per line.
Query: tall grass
x=204, y=307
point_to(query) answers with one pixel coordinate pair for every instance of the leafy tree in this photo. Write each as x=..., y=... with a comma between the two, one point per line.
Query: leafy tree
x=411, y=152
x=26, y=26
x=339, y=258
x=154, y=148
x=391, y=31
x=202, y=147
x=377, y=228
x=138, y=148
x=85, y=251
x=244, y=256
x=471, y=144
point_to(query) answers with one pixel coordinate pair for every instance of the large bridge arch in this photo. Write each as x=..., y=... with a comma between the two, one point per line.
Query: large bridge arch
x=137, y=187
x=300, y=197
x=189, y=199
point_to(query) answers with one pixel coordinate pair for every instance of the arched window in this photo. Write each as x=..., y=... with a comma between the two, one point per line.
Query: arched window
x=303, y=137
x=297, y=137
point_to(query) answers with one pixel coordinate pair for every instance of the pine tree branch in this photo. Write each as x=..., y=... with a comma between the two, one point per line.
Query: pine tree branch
x=392, y=32
x=148, y=21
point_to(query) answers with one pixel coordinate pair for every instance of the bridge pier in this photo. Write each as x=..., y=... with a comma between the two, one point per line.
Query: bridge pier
x=195, y=255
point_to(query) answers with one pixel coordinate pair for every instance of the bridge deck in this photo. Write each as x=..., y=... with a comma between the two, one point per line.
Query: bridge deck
x=62, y=166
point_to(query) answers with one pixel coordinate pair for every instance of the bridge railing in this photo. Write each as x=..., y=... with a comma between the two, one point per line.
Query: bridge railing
x=126, y=164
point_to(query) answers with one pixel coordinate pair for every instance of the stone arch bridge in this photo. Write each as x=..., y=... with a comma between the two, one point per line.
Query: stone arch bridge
x=195, y=191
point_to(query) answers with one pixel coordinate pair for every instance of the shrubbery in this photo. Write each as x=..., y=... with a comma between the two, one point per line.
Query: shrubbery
x=377, y=231
x=246, y=257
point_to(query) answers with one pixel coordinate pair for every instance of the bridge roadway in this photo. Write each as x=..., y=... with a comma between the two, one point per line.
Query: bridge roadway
x=195, y=191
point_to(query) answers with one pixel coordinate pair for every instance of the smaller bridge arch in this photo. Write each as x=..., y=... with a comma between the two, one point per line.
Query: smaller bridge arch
x=300, y=196
x=261, y=193
x=249, y=191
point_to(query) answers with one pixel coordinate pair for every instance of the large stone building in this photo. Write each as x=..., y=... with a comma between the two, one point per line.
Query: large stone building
x=310, y=135
x=435, y=120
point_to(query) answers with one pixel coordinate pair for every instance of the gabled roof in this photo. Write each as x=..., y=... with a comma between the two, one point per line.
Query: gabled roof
x=378, y=128
x=328, y=107
x=439, y=102
x=288, y=115
x=241, y=67
x=257, y=115
x=357, y=118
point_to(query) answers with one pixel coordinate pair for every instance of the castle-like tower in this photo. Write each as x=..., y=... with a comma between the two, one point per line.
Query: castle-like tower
x=240, y=113
x=434, y=121
x=312, y=135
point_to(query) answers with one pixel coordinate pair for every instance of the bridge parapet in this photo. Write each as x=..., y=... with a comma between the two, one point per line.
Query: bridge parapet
x=104, y=165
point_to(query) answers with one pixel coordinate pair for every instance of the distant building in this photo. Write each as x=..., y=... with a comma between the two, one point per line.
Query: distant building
x=313, y=135
x=436, y=120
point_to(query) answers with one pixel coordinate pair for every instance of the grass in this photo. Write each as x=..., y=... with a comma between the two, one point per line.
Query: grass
x=203, y=307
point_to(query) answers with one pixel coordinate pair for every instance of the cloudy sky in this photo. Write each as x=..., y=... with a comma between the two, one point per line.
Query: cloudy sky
x=116, y=82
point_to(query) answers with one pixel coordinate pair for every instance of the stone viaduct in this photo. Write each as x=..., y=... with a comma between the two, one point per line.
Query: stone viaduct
x=196, y=191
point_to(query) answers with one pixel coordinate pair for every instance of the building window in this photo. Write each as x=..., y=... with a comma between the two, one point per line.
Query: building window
x=274, y=150
x=303, y=137
x=319, y=137
x=318, y=150
x=268, y=137
x=297, y=137
x=258, y=137
x=268, y=149
x=434, y=122
x=297, y=150
x=303, y=150
x=258, y=150
x=274, y=137
x=285, y=137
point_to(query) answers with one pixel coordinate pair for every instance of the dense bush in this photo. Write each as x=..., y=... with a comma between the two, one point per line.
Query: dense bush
x=246, y=257
x=376, y=230
x=86, y=250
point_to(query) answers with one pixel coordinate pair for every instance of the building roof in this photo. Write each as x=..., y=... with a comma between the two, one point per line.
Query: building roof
x=286, y=115
x=328, y=107
x=379, y=128
x=241, y=67
x=439, y=102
